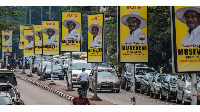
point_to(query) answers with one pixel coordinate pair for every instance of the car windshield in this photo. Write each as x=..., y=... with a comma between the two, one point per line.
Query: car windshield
x=104, y=73
x=173, y=79
x=140, y=73
x=160, y=78
x=5, y=100
x=55, y=67
x=37, y=61
x=79, y=66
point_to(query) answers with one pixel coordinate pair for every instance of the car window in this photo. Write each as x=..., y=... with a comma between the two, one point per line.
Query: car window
x=104, y=73
x=79, y=66
x=5, y=100
x=37, y=61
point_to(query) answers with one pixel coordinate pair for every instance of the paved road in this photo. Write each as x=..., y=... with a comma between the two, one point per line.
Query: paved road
x=33, y=95
x=122, y=98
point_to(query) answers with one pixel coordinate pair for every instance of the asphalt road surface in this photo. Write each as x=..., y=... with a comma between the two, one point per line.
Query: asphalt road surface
x=33, y=95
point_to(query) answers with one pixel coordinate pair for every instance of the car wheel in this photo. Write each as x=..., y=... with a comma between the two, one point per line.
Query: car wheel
x=117, y=91
x=141, y=90
x=183, y=100
x=177, y=100
x=167, y=97
x=161, y=96
x=151, y=94
x=126, y=87
x=123, y=86
x=155, y=95
x=148, y=91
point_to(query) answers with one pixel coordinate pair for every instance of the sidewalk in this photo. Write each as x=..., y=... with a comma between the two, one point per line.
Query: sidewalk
x=57, y=89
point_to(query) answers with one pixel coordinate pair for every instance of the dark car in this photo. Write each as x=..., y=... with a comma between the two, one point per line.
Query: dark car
x=145, y=83
x=155, y=85
x=7, y=76
x=168, y=87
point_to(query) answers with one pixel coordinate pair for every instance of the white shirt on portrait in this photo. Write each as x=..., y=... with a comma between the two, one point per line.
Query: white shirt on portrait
x=39, y=43
x=7, y=43
x=52, y=40
x=136, y=37
x=97, y=42
x=192, y=39
x=72, y=35
x=30, y=45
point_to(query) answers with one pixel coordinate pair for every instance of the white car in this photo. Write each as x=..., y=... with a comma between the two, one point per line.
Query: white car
x=77, y=69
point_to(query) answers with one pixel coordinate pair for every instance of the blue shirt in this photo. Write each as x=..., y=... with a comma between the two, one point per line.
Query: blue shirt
x=83, y=76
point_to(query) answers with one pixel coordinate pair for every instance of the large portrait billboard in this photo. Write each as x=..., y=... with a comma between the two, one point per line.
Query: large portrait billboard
x=28, y=42
x=71, y=31
x=95, y=38
x=50, y=37
x=21, y=36
x=38, y=39
x=6, y=40
x=132, y=37
x=186, y=39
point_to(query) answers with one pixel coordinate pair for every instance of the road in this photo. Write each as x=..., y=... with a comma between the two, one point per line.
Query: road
x=33, y=95
x=122, y=98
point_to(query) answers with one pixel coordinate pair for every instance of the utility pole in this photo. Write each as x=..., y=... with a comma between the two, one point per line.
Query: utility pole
x=194, y=89
x=30, y=56
x=133, y=100
x=70, y=88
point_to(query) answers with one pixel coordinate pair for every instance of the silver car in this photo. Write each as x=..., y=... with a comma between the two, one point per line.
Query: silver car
x=107, y=80
x=57, y=71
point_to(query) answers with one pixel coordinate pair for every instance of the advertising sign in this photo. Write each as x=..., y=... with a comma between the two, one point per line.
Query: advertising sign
x=38, y=39
x=95, y=38
x=132, y=37
x=28, y=42
x=6, y=40
x=50, y=37
x=71, y=31
x=186, y=39
x=21, y=39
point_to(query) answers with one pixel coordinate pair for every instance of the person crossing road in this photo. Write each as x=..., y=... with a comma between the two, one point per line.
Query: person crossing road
x=84, y=77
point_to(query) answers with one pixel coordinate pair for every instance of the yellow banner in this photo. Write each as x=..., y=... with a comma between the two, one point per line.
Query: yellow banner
x=71, y=31
x=133, y=34
x=187, y=44
x=0, y=42
x=95, y=38
x=21, y=39
x=50, y=37
x=38, y=39
x=6, y=40
x=28, y=43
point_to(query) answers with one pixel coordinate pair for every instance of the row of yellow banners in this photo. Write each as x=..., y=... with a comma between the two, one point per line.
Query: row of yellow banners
x=132, y=36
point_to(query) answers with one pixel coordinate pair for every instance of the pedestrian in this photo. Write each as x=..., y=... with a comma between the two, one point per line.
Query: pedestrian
x=72, y=25
x=95, y=29
x=81, y=100
x=135, y=23
x=191, y=17
x=84, y=77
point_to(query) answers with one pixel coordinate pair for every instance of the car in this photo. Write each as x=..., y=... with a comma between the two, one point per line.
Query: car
x=149, y=80
x=57, y=71
x=183, y=89
x=144, y=83
x=155, y=85
x=5, y=99
x=44, y=63
x=168, y=87
x=35, y=65
x=198, y=89
x=7, y=76
x=77, y=66
x=107, y=80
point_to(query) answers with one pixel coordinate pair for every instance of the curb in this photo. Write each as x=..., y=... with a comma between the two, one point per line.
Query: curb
x=68, y=97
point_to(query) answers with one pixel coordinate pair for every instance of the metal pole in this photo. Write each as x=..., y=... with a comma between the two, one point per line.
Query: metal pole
x=70, y=88
x=30, y=56
x=52, y=78
x=95, y=97
x=173, y=68
x=133, y=100
x=41, y=74
x=25, y=15
x=2, y=59
x=6, y=61
x=194, y=89
x=49, y=12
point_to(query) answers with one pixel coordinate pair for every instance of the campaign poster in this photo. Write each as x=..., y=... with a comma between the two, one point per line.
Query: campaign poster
x=21, y=37
x=71, y=31
x=6, y=40
x=186, y=38
x=28, y=42
x=95, y=38
x=50, y=37
x=132, y=34
x=38, y=39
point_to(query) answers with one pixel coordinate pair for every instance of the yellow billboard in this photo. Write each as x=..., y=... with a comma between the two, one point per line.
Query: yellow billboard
x=95, y=38
x=21, y=37
x=50, y=37
x=71, y=31
x=38, y=38
x=186, y=38
x=6, y=40
x=132, y=38
x=28, y=42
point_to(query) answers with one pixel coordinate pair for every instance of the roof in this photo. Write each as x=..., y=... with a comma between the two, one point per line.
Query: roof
x=5, y=71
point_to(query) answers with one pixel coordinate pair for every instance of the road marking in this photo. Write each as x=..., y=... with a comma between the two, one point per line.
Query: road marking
x=162, y=102
x=158, y=101
x=139, y=96
x=154, y=100
x=135, y=95
x=150, y=99
x=146, y=98
x=142, y=97
x=166, y=103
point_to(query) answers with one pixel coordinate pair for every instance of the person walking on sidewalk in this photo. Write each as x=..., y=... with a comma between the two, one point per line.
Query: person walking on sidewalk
x=81, y=100
x=84, y=77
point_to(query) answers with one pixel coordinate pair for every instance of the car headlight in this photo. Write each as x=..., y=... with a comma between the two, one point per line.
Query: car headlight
x=188, y=87
x=75, y=75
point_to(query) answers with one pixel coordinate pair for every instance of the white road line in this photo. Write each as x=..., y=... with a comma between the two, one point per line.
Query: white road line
x=142, y=97
x=166, y=103
x=139, y=96
x=146, y=98
x=154, y=100
x=150, y=99
x=158, y=101
x=162, y=102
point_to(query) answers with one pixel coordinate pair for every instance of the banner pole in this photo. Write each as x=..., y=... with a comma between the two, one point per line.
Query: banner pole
x=23, y=72
x=133, y=83
x=194, y=89
x=30, y=56
x=52, y=78
x=6, y=62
